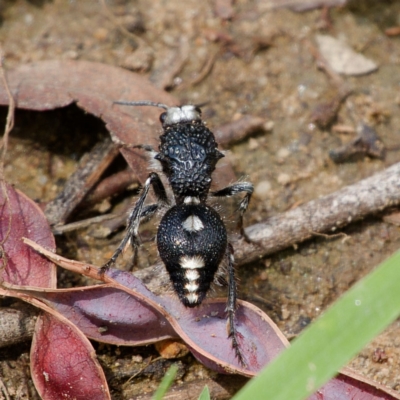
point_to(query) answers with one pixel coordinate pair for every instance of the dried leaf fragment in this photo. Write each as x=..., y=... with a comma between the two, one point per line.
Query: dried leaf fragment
x=342, y=58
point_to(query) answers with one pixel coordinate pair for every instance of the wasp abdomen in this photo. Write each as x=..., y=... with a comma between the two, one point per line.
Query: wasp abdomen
x=192, y=241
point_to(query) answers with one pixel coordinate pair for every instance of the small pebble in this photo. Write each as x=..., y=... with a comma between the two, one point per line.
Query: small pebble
x=283, y=153
x=283, y=179
x=137, y=359
x=285, y=313
x=262, y=190
x=268, y=126
x=101, y=34
x=253, y=144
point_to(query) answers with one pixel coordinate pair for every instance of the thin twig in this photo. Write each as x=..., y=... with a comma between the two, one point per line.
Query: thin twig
x=324, y=215
x=3, y=146
x=10, y=115
x=84, y=223
x=81, y=181
x=16, y=324
x=4, y=389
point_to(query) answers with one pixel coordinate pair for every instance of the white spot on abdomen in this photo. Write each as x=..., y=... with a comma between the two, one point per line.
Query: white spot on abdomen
x=192, y=297
x=192, y=275
x=191, y=266
x=191, y=262
x=191, y=287
x=192, y=224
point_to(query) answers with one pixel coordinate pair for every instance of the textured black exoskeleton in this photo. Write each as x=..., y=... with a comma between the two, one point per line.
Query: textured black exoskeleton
x=191, y=238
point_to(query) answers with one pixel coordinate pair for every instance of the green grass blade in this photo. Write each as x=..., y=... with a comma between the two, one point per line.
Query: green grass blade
x=333, y=339
x=165, y=383
x=205, y=394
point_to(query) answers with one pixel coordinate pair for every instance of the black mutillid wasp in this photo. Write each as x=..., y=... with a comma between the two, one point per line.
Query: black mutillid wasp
x=191, y=238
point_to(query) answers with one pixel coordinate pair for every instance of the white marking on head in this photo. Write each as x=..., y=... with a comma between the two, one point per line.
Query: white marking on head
x=154, y=164
x=191, y=262
x=191, y=275
x=187, y=113
x=191, y=200
x=191, y=287
x=192, y=224
x=192, y=297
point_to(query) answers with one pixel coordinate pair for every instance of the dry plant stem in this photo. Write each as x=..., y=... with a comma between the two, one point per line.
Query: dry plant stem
x=110, y=186
x=4, y=145
x=81, y=181
x=4, y=390
x=10, y=115
x=84, y=223
x=16, y=325
x=323, y=215
x=238, y=130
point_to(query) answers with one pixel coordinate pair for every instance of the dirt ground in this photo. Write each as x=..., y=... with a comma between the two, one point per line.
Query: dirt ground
x=258, y=61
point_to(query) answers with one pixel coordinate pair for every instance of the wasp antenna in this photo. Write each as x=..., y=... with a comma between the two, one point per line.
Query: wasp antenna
x=142, y=103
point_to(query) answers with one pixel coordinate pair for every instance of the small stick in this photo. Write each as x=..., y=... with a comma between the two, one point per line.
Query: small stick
x=84, y=223
x=4, y=145
x=110, y=186
x=238, y=130
x=81, y=181
x=10, y=115
x=3, y=388
x=16, y=324
x=323, y=215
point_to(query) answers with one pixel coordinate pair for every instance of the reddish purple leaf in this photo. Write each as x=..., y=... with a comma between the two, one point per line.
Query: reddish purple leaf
x=107, y=314
x=110, y=315
x=203, y=329
x=63, y=362
x=21, y=217
x=350, y=386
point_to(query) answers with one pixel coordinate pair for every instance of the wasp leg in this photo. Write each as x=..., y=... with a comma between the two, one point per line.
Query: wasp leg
x=139, y=212
x=238, y=187
x=231, y=305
